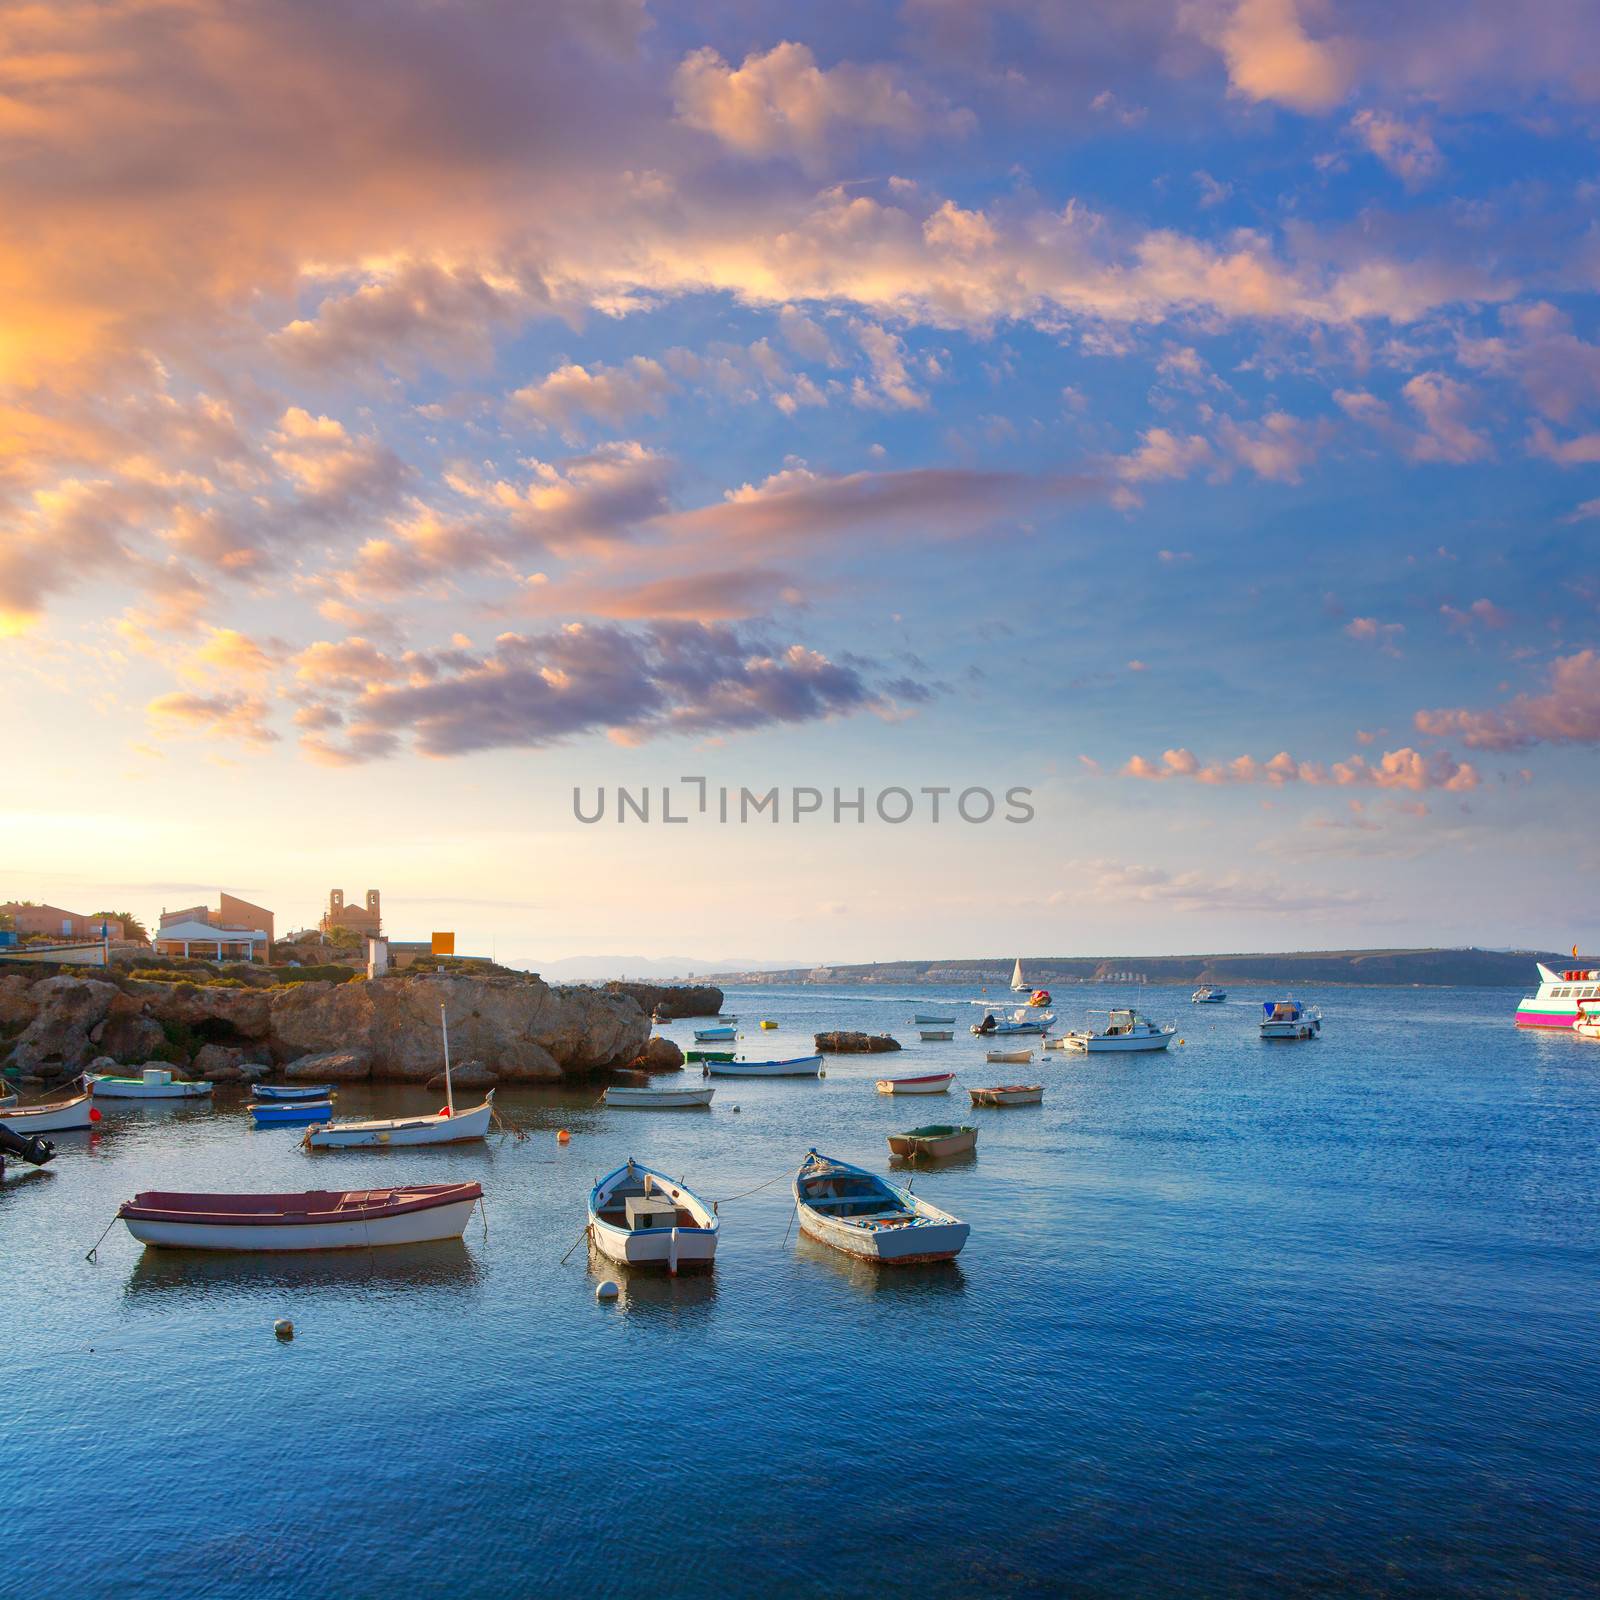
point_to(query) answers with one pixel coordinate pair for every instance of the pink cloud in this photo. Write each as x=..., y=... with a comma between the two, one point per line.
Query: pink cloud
x=1568, y=712
x=1397, y=769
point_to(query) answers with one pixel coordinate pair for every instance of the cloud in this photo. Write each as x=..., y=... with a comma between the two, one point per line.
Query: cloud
x=231, y=716
x=1581, y=450
x=1480, y=614
x=695, y=597
x=1538, y=349
x=1568, y=712
x=1164, y=454
x=891, y=387
x=1406, y=149
x=1396, y=769
x=1444, y=405
x=783, y=104
x=1279, y=446
x=337, y=474
x=1386, y=635
x=1102, y=881
x=1271, y=57
x=612, y=394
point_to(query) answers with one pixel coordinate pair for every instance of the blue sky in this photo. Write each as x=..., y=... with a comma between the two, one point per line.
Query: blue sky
x=1190, y=412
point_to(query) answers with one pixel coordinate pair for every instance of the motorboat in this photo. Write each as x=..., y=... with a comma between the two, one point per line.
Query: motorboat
x=1559, y=1002
x=289, y=1113
x=925, y=1083
x=1010, y=1058
x=153, y=1083
x=936, y=1035
x=1288, y=1019
x=864, y=1215
x=1008, y=1094
x=796, y=1067
x=293, y=1091
x=654, y=1099
x=1020, y=1021
x=936, y=1140
x=318, y=1219
x=1125, y=1030
x=1205, y=995
x=640, y=1217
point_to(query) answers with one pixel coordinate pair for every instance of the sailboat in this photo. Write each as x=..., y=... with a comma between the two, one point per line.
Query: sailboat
x=443, y=1127
x=1017, y=980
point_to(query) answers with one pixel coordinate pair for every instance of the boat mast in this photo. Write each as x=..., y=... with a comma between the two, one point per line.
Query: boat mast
x=444, y=1027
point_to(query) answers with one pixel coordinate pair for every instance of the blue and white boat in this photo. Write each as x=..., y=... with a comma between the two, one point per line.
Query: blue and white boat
x=290, y=1113
x=1288, y=1019
x=293, y=1091
x=795, y=1067
x=704, y=1035
x=641, y=1217
x=1205, y=995
x=858, y=1212
x=1023, y=1020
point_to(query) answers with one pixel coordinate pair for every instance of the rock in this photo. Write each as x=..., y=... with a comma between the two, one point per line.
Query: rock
x=336, y=1066
x=672, y=1000
x=223, y=1063
x=854, y=1044
x=58, y=1036
x=130, y=1038
x=104, y=1065
x=17, y=1003
x=659, y=1055
x=466, y=1075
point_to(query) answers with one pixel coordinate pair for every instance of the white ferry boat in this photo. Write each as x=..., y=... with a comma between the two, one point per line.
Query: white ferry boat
x=1557, y=1003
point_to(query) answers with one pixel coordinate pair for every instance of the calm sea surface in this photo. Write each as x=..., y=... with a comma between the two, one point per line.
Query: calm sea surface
x=1243, y=1319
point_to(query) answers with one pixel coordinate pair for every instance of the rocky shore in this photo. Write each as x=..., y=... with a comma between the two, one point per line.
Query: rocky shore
x=504, y=1027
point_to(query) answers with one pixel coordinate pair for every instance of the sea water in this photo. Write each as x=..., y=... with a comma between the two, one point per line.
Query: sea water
x=1241, y=1318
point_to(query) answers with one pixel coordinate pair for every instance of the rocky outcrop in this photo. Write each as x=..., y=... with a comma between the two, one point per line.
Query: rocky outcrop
x=671, y=1000
x=66, y=1010
x=466, y=1075
x=659, y=1055
x=332, y=1066
x=855, y=1044
x=228, y=1063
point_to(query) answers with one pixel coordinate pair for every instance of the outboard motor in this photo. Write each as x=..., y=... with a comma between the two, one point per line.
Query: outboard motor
x=27, y=1147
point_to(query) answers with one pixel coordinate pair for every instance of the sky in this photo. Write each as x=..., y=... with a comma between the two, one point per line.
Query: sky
x=1187, y=411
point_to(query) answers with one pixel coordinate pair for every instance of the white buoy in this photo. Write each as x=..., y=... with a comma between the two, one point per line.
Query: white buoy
x=284, y=1328
x=607, y=1291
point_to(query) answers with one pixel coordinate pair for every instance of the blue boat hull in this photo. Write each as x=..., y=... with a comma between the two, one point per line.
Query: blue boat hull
x=270, y=1116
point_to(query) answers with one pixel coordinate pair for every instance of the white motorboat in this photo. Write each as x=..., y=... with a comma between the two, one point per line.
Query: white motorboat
x=796, y=1067
x=153, y=1083
x=1022, y=1020
x=445, y=1126
x=1205, y=995
x=318, y=1219
x=1125, y=1030
x=1288, y=1019
x=623, y=1094
x=925, y=1083
x=59, y=1116
x=864, y=1215
x=640, y=1217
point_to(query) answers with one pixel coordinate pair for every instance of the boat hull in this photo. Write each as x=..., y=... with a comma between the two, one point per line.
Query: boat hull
x=889, y=1247
x=955, y=1142
x=708, y=1035
x=936, y=1035
x=290, y=1113
x=1534, y=1014
x=1020, y=1094
x=800, y=1067
x=926, y=1021
x=294, y=1093
x=64, y=1117
x=459, y=1129
x=1303, y=1029
x=132, y=1089
x=1100, y=1045
x=937, y=1083
x=657, y=1099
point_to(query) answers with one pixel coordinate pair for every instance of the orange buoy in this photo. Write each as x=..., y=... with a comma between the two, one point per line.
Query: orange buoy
x=563, y=1137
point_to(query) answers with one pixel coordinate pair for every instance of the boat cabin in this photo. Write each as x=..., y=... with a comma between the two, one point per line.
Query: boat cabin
x=1281, y=1010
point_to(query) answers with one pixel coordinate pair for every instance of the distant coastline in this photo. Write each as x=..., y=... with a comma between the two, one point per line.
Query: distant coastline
x=1428, y=968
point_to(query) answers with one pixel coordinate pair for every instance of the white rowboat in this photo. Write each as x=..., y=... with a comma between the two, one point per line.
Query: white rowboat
x=640, y=1217
x=61, y=1117
x=799, y=1067
x=1010, y=1058
x=156, y=1083
x=936, y=1035
x=926, y=1083
x=927, y=1019
x=863, y=1215
x=621, y=1094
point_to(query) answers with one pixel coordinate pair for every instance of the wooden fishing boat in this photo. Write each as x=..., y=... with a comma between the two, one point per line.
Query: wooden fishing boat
x=154, y=1083
x=1008, y=1094
x=864, y=1215
x=928, y=1019
x=936, y=1035
x=937, y=1139
x=59, y=1116
x=653, y=1099
x=1009, y=1058
x=290, y=1113
x=923, y=1083
x=706, y=1035
x=704, y=1056
x=797, y=1067
x=445, y=1126
x=640, y=1217
x=294, y=1091
x=319, y=1219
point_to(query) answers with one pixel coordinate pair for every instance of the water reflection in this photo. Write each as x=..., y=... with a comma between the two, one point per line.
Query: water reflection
x=925, y=1277
x=180, y=1274
x=925, y=1163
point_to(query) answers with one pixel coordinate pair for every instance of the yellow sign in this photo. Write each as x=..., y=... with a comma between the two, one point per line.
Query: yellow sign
x=444, y=944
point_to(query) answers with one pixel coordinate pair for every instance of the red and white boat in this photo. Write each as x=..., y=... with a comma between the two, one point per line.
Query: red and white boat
x=1558, y=1002
x=318, y=1219
x=56, y=1116
x=928, y=1083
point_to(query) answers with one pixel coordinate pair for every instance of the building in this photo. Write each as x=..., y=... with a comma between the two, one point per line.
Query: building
x=235, y=931
x=54, y=923
x=364, y=920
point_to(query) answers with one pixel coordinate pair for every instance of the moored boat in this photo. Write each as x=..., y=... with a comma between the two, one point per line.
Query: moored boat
x=936, y=1140
x=154, y=1083
x=936, y=1035
x=864, y=1215
x=706, y=1035
x=1020, y=1021
x=640, y=1217
x=703, y=1056
x=1559, y=1002
x=1288, y=1019
x=796, y=1067
x=1018, y=982
x=57, y=1116
x=1008, y=1094
x=293, y=1091
x=1011, y=1058
x=1205, y=995
x=928, y=1019
x=923, y=1083
x=624, y=1094
x=290, y=1113
x=1588, y=1024
x=767, y=1024
x=1125, y=1030
x=318, y=1219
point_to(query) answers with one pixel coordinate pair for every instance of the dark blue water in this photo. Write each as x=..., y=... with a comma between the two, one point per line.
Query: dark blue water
x=1246, y=1319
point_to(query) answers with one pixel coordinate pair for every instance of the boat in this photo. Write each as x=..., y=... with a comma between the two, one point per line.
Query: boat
x=1588, y=1024
x=8, y=1099
x=622, y=1094
x=444, y=1126
x=1054, y=1044
x=797, y=1067
x=641, y=1218
x=1018, y=982
x=1125, y=1030
x=289, y=1113
x=925, y=1083
x=155, y=1083
x=1559, y=1001
x=864, y=1215
x=293, y=1091
x=705, y=1035
x=318, y=1219
x=59, y=1116
x=926, y=1019
x=1205, y=995
x=1010, y=1058
x=936, y=1140
x=766, y=1024
x=703, y=1056
x=1288, y=1019
x=936, y=1035
x=1019, y=1022
x=1008, y=1094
